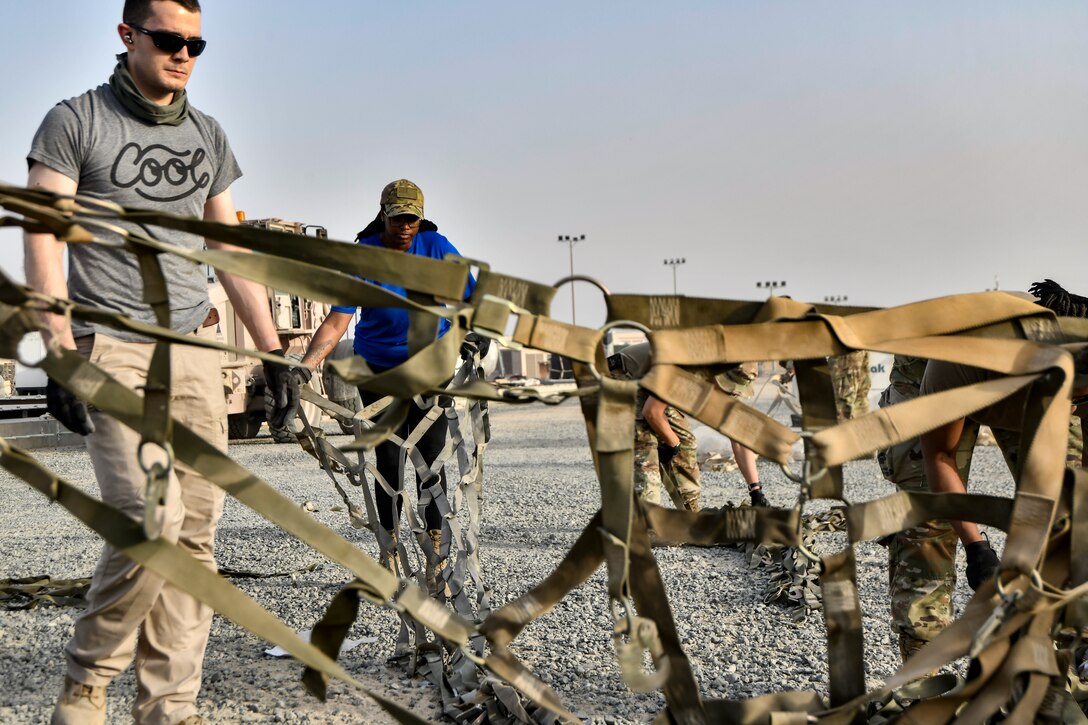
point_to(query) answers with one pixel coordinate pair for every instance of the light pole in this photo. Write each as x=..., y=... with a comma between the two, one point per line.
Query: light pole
x=570, y=241
x=770, y=286
x=835, y=299
x=674, y=263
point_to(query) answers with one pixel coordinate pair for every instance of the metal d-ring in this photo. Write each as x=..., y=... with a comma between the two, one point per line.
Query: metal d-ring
x=1036, y=581
x=600, y=336
x=583, y=278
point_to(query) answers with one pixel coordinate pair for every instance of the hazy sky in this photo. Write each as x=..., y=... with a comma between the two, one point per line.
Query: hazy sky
x=886, y=151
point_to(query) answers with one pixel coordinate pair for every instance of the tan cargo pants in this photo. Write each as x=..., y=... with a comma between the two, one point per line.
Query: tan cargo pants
x=132, y=612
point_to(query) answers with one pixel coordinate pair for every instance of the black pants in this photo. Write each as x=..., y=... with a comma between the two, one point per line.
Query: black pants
x=388, y=456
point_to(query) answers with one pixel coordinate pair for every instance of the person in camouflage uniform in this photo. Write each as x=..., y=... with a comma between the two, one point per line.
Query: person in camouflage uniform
x=737, y=382
x=921, y=559
x=850, y=377
x=665, y=448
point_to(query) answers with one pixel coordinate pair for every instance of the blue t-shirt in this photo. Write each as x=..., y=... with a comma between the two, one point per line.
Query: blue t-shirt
x=381, y=336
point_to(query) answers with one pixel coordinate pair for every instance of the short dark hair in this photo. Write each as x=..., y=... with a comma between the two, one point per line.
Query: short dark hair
x=137, y=12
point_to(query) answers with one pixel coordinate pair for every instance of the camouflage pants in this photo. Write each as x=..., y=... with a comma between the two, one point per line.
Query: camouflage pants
x=921, y=559
x=680, y=477
x=850, y=376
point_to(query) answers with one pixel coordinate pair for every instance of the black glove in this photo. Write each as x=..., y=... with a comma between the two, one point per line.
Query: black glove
x=475, y=343
x=284, y=383
x=67, y=408
x=665, y=453
x=982, y=563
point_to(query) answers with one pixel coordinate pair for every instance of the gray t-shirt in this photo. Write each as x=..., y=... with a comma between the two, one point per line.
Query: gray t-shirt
x=115, y=156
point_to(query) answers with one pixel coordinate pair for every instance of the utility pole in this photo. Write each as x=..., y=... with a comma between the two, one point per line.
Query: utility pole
x=770, y=286
x=570, y=241
x=674, y=263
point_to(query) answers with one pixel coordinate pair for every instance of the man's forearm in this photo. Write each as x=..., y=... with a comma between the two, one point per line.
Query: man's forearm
x=326, y=338
x=43, y=264
x=250, y=301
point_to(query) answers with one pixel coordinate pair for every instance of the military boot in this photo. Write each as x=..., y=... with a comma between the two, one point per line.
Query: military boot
x=755, y=492
x=80, y=704
x=982, y=563
x=439, y=565
x=691, y=503
x=389, y=558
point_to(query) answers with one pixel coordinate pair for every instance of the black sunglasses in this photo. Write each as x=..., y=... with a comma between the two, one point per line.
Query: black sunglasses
x=172, y=42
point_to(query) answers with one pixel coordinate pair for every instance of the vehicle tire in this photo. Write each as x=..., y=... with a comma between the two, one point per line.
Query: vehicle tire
x=280, y=435
x=237, y=426
x=242, y=426
x=354, y=404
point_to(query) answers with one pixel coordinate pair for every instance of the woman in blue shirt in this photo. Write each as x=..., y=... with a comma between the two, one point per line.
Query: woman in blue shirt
x=381, y=338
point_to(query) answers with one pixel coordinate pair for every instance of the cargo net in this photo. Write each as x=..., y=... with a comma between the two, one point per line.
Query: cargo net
x=1021, y=631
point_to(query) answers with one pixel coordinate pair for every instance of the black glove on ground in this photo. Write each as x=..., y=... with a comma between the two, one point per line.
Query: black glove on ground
x=665, y=453
x=982, y=563
x=67, y=408
x=283, y=382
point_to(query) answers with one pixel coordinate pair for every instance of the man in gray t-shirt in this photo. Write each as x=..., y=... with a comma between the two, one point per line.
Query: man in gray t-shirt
x=137, y=142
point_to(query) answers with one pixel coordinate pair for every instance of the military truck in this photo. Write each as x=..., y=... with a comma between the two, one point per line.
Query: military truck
x=296, y=319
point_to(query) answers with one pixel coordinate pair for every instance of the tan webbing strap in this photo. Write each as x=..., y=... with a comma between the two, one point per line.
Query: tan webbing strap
x=1032, y=652
x=664, y=312
x=536, y=298
x=755, y=711
x=181, y=569
x=1078, y=565
x=724, y=526
x=842, y=616
x=681, y=691
x=23, y=297
x=941, y=316
x=818, y=412
x=155, y=429
x=96, y=387
x=577, y=566
x=506, y=666
x=313, y=281
x=708, y=403
x=439, y=278
x=425, y=371
x=544, y=333
x=901, y=510
x=716, y=344
x=615, y=462
x=880, y=429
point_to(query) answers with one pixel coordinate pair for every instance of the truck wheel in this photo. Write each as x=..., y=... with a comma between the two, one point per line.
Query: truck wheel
x=241, y=426
x=280, y=435
x=353, y=404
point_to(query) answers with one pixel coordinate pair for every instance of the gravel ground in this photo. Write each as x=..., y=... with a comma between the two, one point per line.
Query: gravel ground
x=540, y=490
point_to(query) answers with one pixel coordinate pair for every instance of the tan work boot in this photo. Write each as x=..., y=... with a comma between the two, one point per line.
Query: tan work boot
x=387, y=558
x=440, y=563
x=80, y=704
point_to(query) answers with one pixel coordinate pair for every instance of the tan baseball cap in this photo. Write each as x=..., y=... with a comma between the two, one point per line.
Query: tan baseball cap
x=402, y=197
